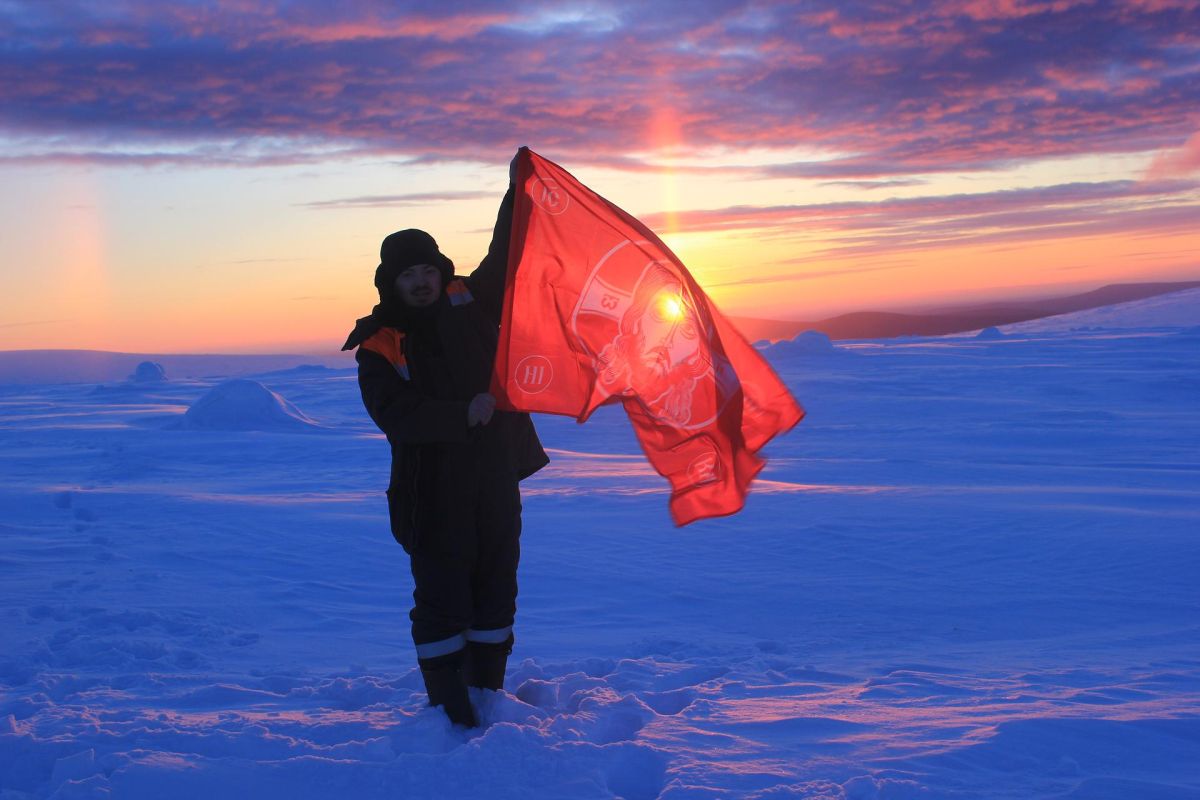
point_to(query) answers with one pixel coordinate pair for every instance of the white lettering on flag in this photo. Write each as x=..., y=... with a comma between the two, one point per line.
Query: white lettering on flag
x=534, y=373
x=547, y=194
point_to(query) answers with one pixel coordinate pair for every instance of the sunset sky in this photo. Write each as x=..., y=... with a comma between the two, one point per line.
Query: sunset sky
x=217, y=176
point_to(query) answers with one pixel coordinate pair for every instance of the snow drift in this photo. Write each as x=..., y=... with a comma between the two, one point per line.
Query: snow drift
x=990, y=333
x=245, y=405
x=148, y=372
x=806, y=343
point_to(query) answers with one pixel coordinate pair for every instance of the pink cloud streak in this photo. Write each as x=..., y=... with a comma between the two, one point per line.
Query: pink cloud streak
x=1177, y=163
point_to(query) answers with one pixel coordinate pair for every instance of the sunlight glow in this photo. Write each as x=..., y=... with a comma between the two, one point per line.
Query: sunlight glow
x=670, y=307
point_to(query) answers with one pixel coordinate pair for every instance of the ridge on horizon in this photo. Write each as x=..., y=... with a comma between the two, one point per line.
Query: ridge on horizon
x=957, y=318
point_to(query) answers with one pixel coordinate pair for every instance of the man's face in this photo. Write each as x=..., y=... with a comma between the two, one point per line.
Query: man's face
x=419, y=285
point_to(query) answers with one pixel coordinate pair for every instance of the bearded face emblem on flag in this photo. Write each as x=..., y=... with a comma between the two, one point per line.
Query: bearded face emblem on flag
x=598, y=310
x=649, y=338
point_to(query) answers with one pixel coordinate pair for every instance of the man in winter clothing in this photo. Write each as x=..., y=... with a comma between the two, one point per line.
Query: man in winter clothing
x=425, y=356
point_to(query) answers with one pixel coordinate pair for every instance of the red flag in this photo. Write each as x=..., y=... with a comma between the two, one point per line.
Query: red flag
x=598, y=310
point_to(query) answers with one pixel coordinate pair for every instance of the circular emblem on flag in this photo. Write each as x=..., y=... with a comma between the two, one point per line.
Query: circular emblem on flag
x=704, y=469
x=651, y=337
x=533, y=374
x=548, y=195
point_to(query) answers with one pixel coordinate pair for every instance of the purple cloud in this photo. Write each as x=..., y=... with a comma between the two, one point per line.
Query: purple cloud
x=888, y=184
x=901, y=89
x=396, y=200
x=1010, y=215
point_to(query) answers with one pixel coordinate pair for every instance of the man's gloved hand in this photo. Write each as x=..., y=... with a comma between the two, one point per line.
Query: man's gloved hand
x=512, y=166
x=479, y=412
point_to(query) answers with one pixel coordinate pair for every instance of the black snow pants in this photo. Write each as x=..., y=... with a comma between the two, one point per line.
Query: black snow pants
x=467, y=590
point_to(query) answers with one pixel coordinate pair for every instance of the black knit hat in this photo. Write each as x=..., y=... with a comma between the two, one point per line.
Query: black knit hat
x=402, y=250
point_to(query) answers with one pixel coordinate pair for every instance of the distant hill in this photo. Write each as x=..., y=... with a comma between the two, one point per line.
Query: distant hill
x=952, y=319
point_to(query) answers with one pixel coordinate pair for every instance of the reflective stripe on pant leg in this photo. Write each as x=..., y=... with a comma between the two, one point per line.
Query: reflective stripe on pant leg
x=443, y=647
x=441, y=600
x=495, y=636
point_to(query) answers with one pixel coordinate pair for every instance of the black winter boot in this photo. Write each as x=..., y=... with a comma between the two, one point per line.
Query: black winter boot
x=444, y=683
x=486, y=662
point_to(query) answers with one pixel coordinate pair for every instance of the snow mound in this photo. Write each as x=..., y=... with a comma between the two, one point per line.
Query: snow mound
x=148, y=372
x=807, y=343
x=1174, y=310
x=244, y=405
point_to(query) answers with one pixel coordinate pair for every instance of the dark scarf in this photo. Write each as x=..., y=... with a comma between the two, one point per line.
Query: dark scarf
x=390, y=312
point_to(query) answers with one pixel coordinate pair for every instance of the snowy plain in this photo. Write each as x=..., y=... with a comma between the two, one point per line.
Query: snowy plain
x=973, y=571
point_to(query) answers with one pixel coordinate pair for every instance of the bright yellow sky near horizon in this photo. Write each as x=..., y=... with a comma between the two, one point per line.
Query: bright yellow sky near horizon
x=175, y=259
x=187, y=260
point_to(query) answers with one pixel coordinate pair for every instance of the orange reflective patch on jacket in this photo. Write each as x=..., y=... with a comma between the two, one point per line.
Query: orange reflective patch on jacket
x=389, y=343
x=458, y=292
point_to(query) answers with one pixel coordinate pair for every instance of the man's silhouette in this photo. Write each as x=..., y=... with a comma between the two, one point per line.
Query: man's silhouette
x=425, y=356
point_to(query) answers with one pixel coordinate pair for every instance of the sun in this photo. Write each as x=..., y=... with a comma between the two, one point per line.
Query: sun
x=670, y=307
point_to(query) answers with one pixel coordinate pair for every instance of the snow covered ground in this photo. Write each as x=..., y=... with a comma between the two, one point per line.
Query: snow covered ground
x=971, y=572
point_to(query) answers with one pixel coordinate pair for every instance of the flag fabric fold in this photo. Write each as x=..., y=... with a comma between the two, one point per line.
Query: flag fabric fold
x=598, y=310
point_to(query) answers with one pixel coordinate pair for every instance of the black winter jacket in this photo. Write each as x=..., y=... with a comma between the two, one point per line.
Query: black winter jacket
x=448, y=352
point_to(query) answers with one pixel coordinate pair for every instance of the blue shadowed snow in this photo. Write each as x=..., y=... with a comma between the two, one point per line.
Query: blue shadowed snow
x=969, y=573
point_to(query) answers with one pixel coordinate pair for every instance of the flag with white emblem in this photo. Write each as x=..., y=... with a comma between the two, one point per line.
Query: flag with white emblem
x=598, y=310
